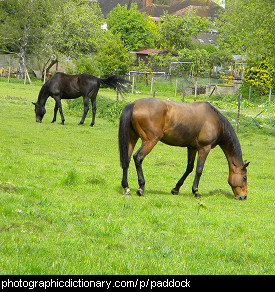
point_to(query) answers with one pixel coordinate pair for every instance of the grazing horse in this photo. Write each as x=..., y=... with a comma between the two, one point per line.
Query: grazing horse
x=197, y=126
x=63, y=86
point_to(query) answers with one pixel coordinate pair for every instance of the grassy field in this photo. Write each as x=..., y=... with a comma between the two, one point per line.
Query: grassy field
x=62, y=210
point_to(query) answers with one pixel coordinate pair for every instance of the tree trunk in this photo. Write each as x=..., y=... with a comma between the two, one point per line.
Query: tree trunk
x=47, y=68
x=23, y=47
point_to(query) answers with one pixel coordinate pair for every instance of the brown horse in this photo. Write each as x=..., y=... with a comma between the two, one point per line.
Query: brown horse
x=197, y=126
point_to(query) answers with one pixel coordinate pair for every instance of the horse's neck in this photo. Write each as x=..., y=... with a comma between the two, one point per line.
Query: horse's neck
x=43, y=95
x=232, y=150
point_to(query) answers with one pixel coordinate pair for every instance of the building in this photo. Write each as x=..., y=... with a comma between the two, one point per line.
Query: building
x=203, y=8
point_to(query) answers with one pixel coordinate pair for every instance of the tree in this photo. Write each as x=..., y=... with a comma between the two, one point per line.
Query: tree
x=75, y=31
x=20, y=28
x=247, y=28
x=113, y=57
x=136, y=29
x=176, y=32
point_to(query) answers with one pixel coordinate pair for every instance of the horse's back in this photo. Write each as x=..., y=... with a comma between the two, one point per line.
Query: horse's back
x=72, y=86
x=179, y=124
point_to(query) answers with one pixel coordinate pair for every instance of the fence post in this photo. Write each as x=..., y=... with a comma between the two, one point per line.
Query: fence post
x=196, y=87
x=176, y=88
x=27, y=73
x=45, y=73
x=152, y=84
x=239, y=108
x=270, y=91
x=249, y=93
x=133, y=85
x=9, y=75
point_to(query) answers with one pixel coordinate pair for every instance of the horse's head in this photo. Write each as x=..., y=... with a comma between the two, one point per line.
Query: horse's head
x=39, y=111
x=238, y=181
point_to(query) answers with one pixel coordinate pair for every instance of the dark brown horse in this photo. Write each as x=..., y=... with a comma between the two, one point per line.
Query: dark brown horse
x=63, y=86
x=197, y=126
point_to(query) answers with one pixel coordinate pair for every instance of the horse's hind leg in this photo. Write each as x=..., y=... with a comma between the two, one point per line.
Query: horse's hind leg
x=131, y=145
x=86, y=109
x=191, y=152
x=93, y=100
x=145, y=149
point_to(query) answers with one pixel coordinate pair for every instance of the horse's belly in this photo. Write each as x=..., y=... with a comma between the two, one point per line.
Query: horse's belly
x=180, y=138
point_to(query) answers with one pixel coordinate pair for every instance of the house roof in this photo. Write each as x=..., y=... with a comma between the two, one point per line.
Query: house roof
x=150, y=51
x=179, y=8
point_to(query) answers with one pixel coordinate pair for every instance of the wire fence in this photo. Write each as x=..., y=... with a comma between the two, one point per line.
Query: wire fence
x=239, y=110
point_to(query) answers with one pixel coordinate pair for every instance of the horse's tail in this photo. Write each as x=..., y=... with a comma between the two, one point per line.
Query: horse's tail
x=123, y=134
x=116, y=82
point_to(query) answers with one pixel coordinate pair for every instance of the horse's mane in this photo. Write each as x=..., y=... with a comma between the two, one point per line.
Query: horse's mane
x=228, y=135
x=44, y=90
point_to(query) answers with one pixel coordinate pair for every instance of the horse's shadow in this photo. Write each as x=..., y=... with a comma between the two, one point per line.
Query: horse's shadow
x=217, y=192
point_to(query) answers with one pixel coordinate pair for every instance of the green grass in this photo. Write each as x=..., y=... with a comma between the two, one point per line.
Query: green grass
x=62, y=210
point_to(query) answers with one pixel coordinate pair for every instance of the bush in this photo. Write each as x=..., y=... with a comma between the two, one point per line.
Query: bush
x=85, y=64
x=106, y=108
x=260, y=78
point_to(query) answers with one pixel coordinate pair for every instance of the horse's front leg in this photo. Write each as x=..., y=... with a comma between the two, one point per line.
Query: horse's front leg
x=202, y=155
x=191, y=152
x=55, y=112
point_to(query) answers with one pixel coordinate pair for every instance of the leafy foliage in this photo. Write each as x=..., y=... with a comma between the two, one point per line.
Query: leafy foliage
x=75, y=30
x=260, y=78
x=106, y=108
x=134, y=28
x=175, y=32
x=247, y=28
x=113, y=57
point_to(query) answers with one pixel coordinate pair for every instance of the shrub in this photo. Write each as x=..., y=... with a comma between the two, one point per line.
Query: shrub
x=106, y=108
x=260, y=78
x=85, y=64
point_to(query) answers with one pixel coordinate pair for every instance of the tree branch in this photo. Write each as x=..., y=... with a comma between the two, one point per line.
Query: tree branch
x=8, y=52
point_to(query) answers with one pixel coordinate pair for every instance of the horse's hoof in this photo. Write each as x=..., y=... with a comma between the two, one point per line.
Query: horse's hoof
x=52, y=122
x=198, y=196
x=140, y=192
x=91, y=125
x=80, y=124
x=126, y=191
x=174, y=192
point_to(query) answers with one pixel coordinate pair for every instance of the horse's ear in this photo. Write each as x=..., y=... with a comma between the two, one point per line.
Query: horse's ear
x=33, y=103
x=245, y=164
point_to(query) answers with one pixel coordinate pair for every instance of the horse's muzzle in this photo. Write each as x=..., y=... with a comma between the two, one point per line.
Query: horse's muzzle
x=38, y=121
x=241, y=197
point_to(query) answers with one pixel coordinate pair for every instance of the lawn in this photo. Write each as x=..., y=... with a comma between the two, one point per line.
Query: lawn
x=62, y=210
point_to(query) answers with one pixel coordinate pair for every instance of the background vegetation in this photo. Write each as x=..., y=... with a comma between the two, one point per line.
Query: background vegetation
x=244, y=28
